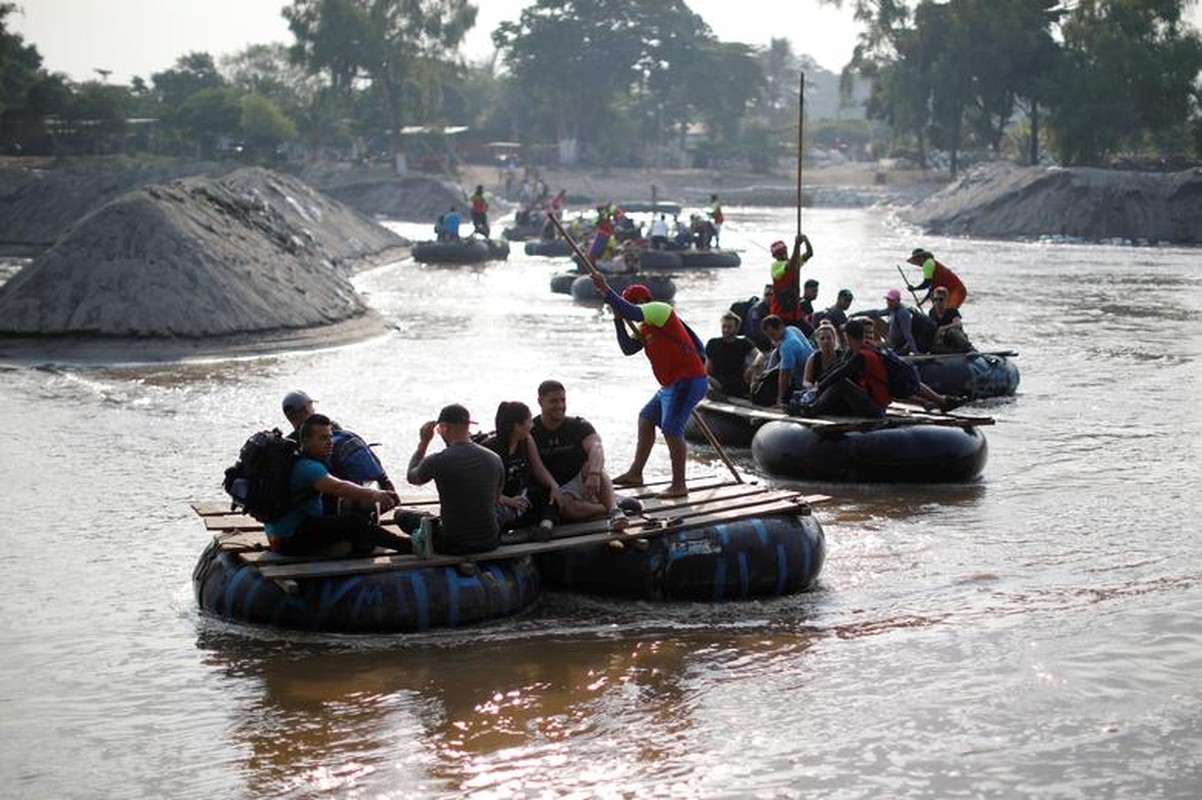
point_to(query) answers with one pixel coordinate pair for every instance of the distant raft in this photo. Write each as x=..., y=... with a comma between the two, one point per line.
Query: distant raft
x=464, y=251
x=550, y=248
x=673, y=260
x=737, y=542
x=881, y=453
x=351, y=596
x=662, y=286
x=974, y=375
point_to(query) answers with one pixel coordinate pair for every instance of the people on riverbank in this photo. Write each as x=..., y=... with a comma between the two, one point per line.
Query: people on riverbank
x=676, y=359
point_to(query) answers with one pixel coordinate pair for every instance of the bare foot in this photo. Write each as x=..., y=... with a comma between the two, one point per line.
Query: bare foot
x=626, y=479
x=674, y=491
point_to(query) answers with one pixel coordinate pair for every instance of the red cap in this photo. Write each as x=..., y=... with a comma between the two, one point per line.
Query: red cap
x=636, y=293
x=779, y=247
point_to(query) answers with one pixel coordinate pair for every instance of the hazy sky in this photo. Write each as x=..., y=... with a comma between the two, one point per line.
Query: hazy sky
x=140, y=37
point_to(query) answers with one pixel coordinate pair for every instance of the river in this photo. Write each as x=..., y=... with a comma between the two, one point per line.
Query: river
x=1035, y=634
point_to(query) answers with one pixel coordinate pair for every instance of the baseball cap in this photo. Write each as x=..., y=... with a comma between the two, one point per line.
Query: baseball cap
x=296, y=400
x=636, y=293
x=455, y=414
x=893, y=294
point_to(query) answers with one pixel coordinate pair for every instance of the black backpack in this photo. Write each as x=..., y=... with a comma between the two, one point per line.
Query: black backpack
x=259, y=481
x=902, y=376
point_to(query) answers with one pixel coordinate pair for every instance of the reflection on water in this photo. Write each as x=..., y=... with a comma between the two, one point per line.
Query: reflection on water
x=1032, y=633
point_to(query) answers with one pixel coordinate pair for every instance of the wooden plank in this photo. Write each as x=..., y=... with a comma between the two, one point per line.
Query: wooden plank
x=396, y=562
x=928, y=357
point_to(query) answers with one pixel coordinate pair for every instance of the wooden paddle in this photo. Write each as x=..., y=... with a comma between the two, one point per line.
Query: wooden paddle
x=705, y=429
x=906, y=281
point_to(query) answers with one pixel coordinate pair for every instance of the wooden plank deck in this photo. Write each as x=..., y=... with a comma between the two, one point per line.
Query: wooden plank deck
x=711, y=500
x=898, y=414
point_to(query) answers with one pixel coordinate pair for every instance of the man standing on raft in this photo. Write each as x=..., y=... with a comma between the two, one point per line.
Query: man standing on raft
x=676, y=358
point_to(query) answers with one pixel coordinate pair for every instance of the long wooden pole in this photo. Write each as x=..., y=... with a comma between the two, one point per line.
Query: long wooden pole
x=701, y=423
x=801, y=115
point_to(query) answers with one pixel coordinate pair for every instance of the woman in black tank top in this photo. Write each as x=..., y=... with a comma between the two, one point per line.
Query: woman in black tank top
x=824, y=359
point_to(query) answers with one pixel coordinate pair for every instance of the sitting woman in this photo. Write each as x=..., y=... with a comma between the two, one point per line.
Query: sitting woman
x=530, y=495
x=824, y=359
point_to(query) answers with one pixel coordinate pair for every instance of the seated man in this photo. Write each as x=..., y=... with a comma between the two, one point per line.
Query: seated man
x=728, y=358
x=571, y=451
x=910, y=331
x=352, y=458
x=836, y=314
x=794, y=349
x=305, y=529
x=949, y=326
x=469, y=480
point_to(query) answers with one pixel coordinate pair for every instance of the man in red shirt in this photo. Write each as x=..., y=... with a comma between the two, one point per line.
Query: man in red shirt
x=676, y=358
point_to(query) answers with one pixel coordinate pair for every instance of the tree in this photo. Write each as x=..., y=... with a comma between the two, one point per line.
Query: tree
x=208, y=115
x=263, y=125
x=383, y=42
x=1126, y=78
x=192, y=72
x=589, y=65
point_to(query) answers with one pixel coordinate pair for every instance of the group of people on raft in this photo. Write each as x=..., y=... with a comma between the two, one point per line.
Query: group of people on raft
x=616, y=239
x=777, y=350
x=532, y=471
x=446, y=227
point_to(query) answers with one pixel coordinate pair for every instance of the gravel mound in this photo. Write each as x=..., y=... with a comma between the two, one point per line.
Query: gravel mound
x=1010, y=202
x=250, y=252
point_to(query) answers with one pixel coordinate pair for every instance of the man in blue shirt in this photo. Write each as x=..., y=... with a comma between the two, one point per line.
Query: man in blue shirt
x=794, y=350
x=450, y=225
x=304, y=529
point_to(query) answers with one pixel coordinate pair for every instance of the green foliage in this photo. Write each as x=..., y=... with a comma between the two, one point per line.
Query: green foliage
x=263, y=125
x=576, y=61
x=391, y=44
x=1126, y=79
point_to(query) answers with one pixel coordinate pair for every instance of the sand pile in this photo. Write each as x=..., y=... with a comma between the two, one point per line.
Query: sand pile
x=1008, y=202
x=411, y=199
x=250, y=252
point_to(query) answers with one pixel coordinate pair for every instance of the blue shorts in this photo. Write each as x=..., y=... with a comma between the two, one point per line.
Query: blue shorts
x=671, y=406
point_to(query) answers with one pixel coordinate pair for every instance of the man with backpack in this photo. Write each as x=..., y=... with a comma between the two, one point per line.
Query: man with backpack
x=352, y=458
x=304, y=528
x=910, y=331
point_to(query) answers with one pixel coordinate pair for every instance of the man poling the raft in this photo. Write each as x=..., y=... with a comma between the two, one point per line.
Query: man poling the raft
x=670, y=408
x=676, y=358
x=934, y=275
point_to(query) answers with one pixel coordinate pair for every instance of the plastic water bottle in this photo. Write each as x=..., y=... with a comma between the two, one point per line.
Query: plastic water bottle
x=422, y=537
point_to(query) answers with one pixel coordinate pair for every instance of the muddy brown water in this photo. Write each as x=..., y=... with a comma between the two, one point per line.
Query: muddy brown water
x=1036, y=633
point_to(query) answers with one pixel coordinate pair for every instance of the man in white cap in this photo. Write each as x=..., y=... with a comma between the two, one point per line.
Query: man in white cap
x=352, y=458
